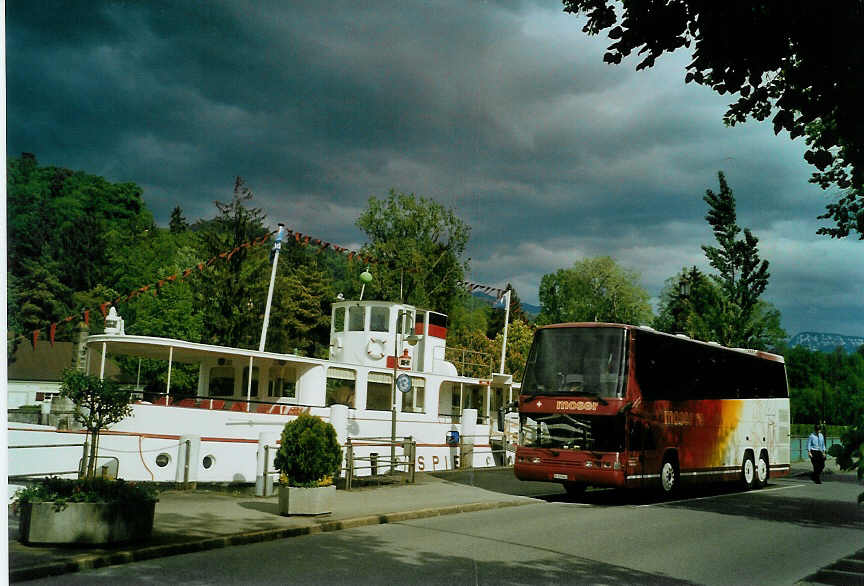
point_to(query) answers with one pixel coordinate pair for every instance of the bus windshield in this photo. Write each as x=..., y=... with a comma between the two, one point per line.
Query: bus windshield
x=576, y=361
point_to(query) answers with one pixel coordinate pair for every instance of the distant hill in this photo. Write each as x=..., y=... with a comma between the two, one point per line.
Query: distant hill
x=826, y=342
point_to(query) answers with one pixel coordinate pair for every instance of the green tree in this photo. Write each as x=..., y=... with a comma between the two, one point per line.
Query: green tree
x=796, y=61
x=467, y=312
x=496, y=320
x=63, y=230
x=419, y=246
x=178, y=223
x=594, y=289
x=742, y=277
x=42, y=298
x=300, y=316
x=233, y=290
x=826, y=387
x=98, y=404
x=519, y=337
x=689, y=305
x=472, y=352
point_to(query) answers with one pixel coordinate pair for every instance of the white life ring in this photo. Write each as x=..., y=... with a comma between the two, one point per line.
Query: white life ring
x=375, y=348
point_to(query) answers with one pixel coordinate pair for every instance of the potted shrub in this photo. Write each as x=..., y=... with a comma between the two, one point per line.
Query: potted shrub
x=308, y=459
x=85, y=511
x=88, y=510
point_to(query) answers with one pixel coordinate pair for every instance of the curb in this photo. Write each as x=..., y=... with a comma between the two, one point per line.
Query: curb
x=90, y=562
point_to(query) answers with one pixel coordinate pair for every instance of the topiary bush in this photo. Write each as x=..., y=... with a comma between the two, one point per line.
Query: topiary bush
x=309, y=454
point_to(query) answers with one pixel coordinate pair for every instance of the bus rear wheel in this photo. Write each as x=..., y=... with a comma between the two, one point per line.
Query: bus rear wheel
x=748, y=472
x=670, y=479
x=762, y=470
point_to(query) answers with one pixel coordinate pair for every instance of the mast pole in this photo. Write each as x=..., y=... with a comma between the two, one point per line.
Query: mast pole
x=506, y=319
x=277, y=246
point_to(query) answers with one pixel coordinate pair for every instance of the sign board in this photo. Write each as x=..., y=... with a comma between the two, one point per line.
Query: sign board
x=453, y=438
x=403, y=383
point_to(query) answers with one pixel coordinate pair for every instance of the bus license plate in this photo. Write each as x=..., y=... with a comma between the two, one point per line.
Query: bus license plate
x=559, y=476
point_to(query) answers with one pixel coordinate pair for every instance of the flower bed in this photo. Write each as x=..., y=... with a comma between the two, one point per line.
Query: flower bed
x=86, y=511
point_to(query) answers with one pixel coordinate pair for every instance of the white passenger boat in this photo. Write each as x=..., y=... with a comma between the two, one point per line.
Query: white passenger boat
x=244, y=397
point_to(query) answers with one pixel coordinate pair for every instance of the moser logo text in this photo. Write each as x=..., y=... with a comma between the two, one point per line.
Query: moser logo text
x=577, y=405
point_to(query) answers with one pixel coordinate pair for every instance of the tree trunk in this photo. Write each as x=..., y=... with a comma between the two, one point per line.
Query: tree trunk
x=91, y=465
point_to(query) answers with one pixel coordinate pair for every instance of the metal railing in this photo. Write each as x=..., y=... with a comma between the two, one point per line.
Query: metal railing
x=378, y=465
x=469, y=362
x=79, y=471
x=798, y=447
x=408, y=458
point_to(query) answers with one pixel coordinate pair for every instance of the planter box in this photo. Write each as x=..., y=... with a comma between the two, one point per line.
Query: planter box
x=86, y=523
x=306, y=501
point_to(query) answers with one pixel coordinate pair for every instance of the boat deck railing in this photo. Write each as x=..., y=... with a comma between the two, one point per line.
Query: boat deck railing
x=378, y=464
x=79, y=471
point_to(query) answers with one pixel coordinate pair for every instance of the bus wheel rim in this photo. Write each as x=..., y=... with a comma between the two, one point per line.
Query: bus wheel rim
x=748, y=471
x=762, y=470
x=668, y=476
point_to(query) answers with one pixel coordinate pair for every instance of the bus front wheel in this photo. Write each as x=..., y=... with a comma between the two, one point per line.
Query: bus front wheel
x=748, y=472
x=669, y=476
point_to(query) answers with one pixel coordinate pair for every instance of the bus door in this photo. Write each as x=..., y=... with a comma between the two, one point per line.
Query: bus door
x=642, y=457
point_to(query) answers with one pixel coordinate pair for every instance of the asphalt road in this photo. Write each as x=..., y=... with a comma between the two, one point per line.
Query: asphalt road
x=777, y=535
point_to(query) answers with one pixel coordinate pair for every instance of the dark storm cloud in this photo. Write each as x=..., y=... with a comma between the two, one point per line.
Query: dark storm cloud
x=504, y=111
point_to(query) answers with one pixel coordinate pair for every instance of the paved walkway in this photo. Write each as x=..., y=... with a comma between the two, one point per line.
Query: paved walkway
x=189, y=521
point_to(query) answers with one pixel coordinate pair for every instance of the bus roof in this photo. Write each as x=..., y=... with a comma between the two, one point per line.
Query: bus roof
x=593, y=324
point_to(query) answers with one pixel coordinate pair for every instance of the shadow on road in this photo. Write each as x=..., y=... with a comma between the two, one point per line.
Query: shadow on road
x=802, y=511
x=504, y=481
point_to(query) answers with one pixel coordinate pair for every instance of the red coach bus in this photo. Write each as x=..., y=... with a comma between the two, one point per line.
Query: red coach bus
x=625, y=406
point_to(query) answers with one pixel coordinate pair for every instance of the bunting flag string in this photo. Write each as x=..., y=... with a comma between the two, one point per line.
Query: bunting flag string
x=497, y=292
x=153, y=287
x=304, y=240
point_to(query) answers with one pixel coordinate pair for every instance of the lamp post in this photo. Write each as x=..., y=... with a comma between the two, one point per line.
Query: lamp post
x=412, y=339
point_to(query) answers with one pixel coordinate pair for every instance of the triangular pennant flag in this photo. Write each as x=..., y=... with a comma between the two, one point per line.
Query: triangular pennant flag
x=52, y=331
x=35, y=338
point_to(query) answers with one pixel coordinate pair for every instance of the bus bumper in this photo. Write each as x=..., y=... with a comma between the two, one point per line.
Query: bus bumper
x=570, y=472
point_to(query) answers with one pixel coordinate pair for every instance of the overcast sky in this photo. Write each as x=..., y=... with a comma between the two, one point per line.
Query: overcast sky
x=504, y=111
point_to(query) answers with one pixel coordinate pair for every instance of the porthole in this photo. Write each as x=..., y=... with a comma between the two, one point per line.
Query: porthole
x=208, y=462
x=162, y=460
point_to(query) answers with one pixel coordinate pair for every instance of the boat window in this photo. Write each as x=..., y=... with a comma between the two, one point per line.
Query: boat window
x=406, y=323
x=379, y=319
x=474, y=397
x=282, y=382
x=245, y=388
x=340, y=387
x=379, y=388
x=356, y=320
x=413, y=400
x=221, y=381
x=455, y=407
x=339, y=319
